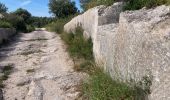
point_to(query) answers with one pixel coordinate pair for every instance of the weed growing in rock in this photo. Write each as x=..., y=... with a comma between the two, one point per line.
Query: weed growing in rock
x=5, y=74
x=138, y=4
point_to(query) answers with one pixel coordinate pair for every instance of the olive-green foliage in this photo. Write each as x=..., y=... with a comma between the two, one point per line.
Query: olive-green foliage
x=30, y=28
x=6, y=72
x=101, y=86
x=78, y=46
x=138, y=4
x=5, y=24
x=58, y=25
x=23, y=13
x=130, y=4
x=87, y=4
x=40, y=22
x=3, y=8
x=87, y=66
x=16, y=21
x=62, y=8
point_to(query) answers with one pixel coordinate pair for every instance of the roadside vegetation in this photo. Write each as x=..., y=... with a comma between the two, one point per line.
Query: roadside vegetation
x=58, y=24
x=138, y=4
x=6, y=70
x=21, y=20
x=130, y=4
x=18, y=19
x=87, y=4
x=99, y=86
x=5, y=24
x=64, y=11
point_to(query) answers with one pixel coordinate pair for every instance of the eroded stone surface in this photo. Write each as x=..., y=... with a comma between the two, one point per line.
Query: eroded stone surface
x=42, y=68
x=135, y=45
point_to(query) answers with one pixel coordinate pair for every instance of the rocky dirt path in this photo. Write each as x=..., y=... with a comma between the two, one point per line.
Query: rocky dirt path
x=42, y=68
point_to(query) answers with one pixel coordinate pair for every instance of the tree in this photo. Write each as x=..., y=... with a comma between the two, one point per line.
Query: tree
x=84, y=3
x=62, y=8
x=3, y=8
x=23, y=13
x=16, y=21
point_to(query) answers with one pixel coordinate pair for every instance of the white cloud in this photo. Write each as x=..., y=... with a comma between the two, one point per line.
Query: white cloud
x=25, y=3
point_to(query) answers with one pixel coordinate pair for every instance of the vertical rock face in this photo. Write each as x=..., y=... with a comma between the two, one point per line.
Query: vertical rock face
x=132, y=45
x=143, y=48
x=88, y=21
x=5, y=33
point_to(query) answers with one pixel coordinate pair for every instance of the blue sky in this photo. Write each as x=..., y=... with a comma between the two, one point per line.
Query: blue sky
x=35, y=7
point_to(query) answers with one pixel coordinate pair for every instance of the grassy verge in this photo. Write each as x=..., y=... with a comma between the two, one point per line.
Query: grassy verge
x=80, y=49
x=58, y=25
x=100, y=86
x=5, y=74
x=77, y=45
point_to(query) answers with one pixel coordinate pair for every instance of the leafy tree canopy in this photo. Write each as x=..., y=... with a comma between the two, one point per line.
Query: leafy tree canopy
x=3, y=8
x=62, y=8
x=23, y=13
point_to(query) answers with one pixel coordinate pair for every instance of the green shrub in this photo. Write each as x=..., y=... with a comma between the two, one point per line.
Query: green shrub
x=6, y=72
x=94, y=3
x=138, y=4
x=131, y=4
x=5, y=24
x=16, y=21
x=58, y=25
x=77, y=45
x=30, y=28
x=101, y=86
x=85, y=66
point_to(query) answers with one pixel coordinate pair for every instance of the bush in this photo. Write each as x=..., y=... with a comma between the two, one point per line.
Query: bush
x=94, y=3
x=131, y=4
x=30, y=28
x=16, y=21
x=77, y=45
x=101, y=86
x=5, y=24
x=58, y=25
x=138, y=4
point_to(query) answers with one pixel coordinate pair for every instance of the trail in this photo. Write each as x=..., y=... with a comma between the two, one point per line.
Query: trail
x=42, y=68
